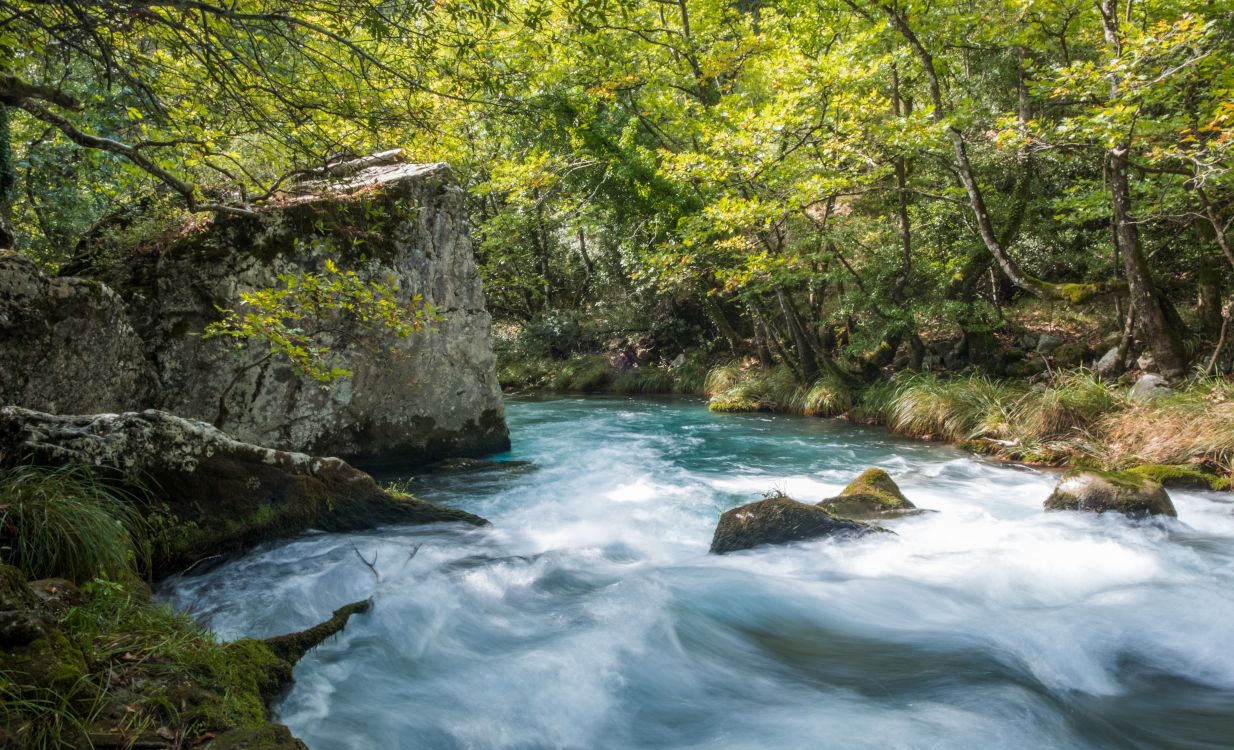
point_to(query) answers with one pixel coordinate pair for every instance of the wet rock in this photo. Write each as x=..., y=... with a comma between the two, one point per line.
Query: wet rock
x=468, y=465
x=778, y=520
x=1151, y=386
x=268, y=737
x=66, y=344
x=1133, y=495
x=224, y=493
x=1047, y=343
x=871, y=496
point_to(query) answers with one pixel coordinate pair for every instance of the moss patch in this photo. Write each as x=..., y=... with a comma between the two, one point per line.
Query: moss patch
x=1182, y=477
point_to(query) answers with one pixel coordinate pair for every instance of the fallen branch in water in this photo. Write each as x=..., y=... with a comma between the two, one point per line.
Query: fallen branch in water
x=371, y=565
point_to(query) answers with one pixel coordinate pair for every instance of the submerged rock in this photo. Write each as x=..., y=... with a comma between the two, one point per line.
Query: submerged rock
x=1131, y=494
x=871, y=496
x=778, y=520
x=468, y=465
x=222, y=493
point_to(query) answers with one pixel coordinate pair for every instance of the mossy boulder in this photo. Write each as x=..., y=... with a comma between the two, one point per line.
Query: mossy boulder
x=779, y=520
x=1182, y=477
x=1133, y=495
x=1072, y=355
x=268, y=737
x=219, y=493
x=873, y=495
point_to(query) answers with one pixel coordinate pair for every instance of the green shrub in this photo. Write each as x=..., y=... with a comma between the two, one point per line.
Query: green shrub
x=64, y=522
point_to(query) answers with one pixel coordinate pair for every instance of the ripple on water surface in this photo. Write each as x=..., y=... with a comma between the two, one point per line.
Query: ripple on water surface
x=591, y=616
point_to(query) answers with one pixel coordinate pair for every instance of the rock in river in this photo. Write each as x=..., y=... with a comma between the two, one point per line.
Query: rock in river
x=873, y=495
x=1133, y=495
x=778, y=520
x=223, y=493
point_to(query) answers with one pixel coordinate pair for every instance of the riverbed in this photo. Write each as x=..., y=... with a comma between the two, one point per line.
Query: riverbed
x=590, y=615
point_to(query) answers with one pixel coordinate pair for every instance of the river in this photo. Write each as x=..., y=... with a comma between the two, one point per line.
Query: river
x=591, y=616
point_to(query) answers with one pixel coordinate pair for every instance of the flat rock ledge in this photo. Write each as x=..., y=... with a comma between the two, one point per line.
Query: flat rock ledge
x=220, y=494
x=779, y=520
x=1132, y=494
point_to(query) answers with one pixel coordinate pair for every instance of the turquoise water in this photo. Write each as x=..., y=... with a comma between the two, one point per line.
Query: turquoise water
x=591, y=616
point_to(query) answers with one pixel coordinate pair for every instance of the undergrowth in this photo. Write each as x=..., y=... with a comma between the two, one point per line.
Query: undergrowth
x=64, y=522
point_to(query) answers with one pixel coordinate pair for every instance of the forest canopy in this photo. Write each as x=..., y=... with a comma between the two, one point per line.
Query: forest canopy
x=809, y=175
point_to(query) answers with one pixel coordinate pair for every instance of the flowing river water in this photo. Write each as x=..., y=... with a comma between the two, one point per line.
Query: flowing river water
x=590, y=615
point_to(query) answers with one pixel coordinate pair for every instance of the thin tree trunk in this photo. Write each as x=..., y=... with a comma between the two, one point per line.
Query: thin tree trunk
x=805, y=353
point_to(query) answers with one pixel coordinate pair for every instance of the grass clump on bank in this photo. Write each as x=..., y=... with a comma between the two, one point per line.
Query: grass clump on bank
x=737, y=388
x=64, y=522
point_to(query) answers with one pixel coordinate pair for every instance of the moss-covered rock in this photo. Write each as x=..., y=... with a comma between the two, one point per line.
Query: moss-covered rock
x=1182, y=477
x=1133, y=495
x=1072, y=355
x=778, y=520
x=117, y=671
x=219, y=494
x=268, y=737
x=14, y=593
x=873, y=495
x=985, y=447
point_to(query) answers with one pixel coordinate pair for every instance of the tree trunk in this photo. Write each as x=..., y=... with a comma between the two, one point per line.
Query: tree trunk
x=1209, y=283
x=1165, y=342
x=805, y=352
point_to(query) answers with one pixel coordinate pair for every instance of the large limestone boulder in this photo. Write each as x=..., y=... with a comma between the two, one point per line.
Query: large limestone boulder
x=778, y=520
x=1134, y=495
x=223, y=493
x=66, y=344
x=873, y=495
x=72, y=346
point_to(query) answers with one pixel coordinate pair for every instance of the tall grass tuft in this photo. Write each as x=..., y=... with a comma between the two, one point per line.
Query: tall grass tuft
x=690, y=377
x=951, y=408
x=64, y=522
x=735, y=388
x=1071, y=405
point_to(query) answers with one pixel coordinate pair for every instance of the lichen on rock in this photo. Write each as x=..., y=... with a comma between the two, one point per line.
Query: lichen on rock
x=220, y=493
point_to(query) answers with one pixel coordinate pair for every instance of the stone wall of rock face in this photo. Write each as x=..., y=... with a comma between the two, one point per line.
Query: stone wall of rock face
x=66, y=344
x=437, y=397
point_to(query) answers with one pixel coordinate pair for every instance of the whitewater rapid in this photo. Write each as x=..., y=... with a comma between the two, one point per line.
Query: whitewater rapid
x=591, y=616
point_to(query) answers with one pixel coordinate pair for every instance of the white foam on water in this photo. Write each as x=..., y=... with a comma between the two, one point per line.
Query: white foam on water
x=591, y=616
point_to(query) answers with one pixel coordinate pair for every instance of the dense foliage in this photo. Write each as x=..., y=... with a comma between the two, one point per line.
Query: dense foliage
x=816, y=183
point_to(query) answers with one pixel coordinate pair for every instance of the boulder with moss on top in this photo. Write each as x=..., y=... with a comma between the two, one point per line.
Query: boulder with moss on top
x=873, y=495
x=1133, y=495
x=1182, y=477
x=778, y=519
